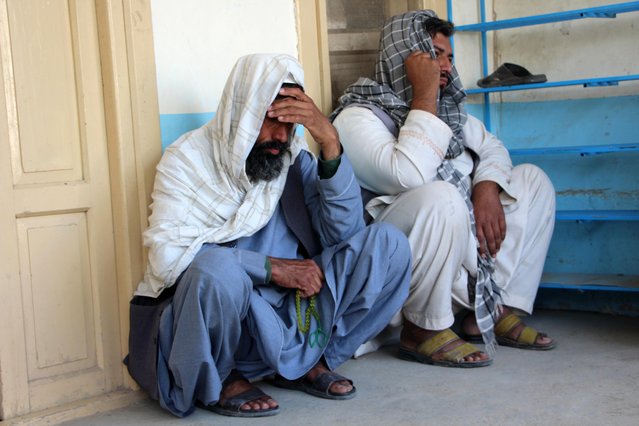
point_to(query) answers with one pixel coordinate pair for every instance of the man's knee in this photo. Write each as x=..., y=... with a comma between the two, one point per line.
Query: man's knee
x=536, y=180
x=433, y=208
x=218, y=276
x=439, y=199
x=386, y=236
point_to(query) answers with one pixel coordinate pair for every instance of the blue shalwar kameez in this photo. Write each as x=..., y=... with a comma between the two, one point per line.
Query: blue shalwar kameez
x=225, y=316
x=205, y=305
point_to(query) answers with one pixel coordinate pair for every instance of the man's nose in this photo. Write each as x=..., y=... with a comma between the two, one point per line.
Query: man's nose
x=280, y=132
x=445, y=64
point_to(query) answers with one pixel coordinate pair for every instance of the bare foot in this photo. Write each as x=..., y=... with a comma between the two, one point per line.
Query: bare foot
x=412, y=336
x=470, y=328
x=338, y=388
x=236, y=387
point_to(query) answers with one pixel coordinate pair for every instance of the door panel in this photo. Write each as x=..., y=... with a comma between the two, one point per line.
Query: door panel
x=58, y=305
x=46, y=111
x=56, y=208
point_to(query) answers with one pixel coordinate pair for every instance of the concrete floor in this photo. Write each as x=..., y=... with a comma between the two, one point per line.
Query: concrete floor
x=591, y=378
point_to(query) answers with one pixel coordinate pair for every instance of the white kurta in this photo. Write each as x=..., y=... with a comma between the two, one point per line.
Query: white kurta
x=435, y=218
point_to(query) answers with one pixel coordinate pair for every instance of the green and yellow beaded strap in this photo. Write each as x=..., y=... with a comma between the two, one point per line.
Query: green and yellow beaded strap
x=317, y=337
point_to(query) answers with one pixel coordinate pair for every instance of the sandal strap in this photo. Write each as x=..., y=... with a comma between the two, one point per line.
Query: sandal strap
x=325, y=380
x=528, y=336
x=437, y=342
x=506, y=324
x=460, y=352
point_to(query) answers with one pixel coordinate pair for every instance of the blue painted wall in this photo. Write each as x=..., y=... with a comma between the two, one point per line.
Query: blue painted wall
x=173, y=126
x=594, y=182
x=595, y=121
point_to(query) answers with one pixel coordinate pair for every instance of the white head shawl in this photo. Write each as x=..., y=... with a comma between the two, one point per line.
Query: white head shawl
x=202, y=193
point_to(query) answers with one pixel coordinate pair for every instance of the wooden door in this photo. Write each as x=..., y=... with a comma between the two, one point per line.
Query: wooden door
x=60, y=336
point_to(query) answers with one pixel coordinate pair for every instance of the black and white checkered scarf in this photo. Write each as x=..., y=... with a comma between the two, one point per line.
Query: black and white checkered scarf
x=393, y=93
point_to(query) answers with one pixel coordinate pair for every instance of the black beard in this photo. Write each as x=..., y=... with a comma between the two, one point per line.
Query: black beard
x=262, y=165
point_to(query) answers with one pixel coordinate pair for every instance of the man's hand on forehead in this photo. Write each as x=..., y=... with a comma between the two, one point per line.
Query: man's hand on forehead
x=288, y=91
x=286, y=86
x=292, y=105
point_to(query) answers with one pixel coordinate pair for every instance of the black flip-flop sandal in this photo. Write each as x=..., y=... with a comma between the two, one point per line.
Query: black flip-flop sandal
x=320, y=387
x=232, y=407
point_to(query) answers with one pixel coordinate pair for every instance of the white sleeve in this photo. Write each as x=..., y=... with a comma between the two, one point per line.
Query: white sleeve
x=494, y=161
x=386, y=164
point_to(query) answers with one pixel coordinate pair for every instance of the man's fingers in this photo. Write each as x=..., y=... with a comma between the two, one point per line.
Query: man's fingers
x=310, y=288
x=291, y=118
x=502, y=227
x=291, y=113
x=492, y=246
x=293, y=92
x=492, y=235
x=480, y=239
x=489, y=237
x=311, y=281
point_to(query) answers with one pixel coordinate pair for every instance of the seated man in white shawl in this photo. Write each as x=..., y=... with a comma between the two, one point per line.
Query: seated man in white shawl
x=479, y=228
x=259, y=260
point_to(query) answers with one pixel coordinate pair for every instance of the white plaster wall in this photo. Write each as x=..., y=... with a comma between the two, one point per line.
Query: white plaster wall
x=198, y=41
x=569, y=50
x=467, y=45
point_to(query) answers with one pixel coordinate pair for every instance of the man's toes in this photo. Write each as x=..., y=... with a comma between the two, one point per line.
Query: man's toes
x=253, y=406
x=271, y=403
x=543, y=340
x=267, y=403
x=477, y=356
x=259, y=404
x=341, y=387
x=248, y=406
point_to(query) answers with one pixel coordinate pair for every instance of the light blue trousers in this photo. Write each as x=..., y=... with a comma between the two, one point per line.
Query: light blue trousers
x=219, y=320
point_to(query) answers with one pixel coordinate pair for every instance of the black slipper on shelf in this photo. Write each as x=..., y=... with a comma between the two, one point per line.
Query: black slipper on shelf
x=509, y=75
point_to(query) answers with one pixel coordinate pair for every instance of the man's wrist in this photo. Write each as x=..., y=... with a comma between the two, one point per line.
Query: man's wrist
x=326, y=169
x=428, y=105
x=269, y=270
x=487, y=186
x=330, y=149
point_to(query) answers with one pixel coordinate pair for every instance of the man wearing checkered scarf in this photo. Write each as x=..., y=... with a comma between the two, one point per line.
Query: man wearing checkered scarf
x=479, y=228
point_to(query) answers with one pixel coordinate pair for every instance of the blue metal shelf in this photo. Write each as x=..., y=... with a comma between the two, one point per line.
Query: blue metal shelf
x=620, y=282
x=597, y=215
x=588, y=82
x=582, y=150
x=608, y=11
